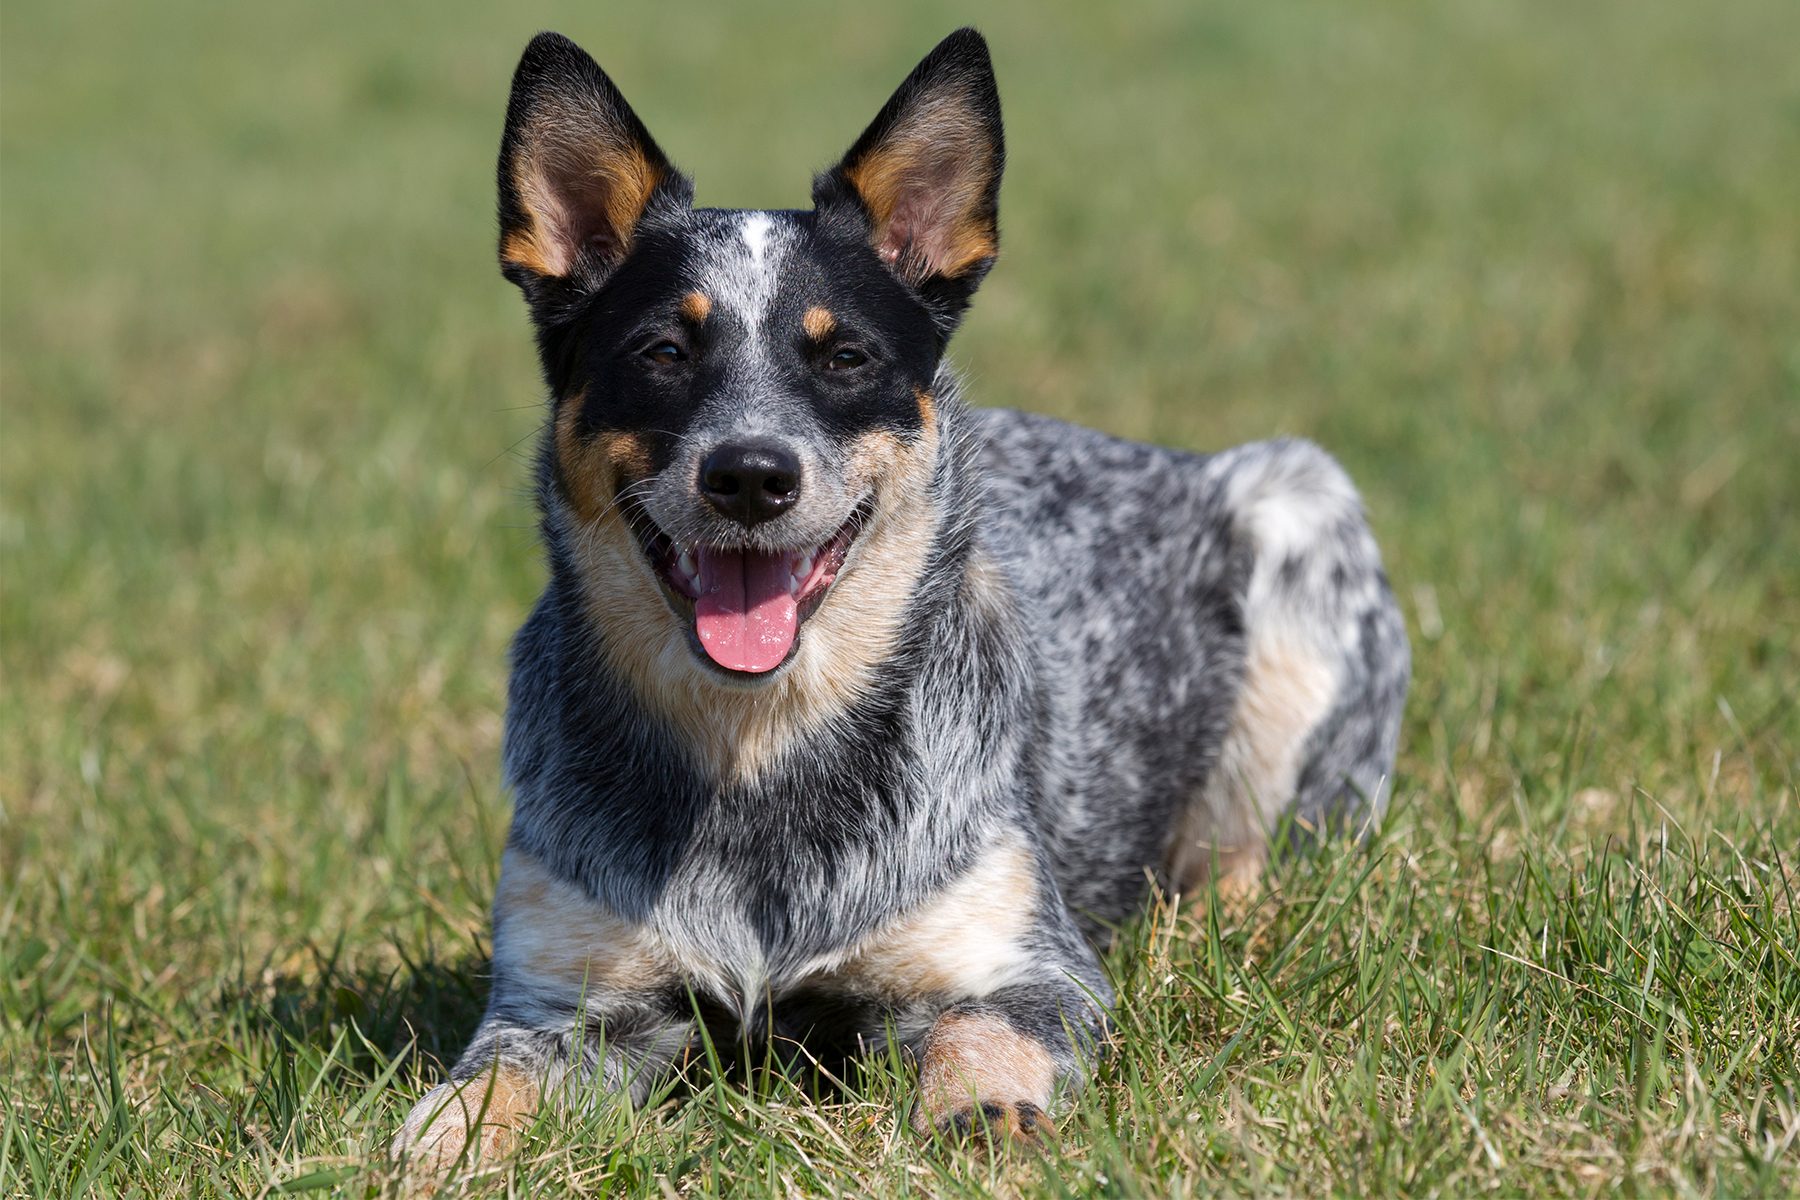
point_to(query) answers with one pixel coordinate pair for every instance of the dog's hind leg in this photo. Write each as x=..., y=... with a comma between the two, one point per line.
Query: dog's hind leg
x=579, y=1010
x=1325, y=667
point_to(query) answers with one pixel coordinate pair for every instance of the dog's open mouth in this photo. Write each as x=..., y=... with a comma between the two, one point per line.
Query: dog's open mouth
x=747, y=605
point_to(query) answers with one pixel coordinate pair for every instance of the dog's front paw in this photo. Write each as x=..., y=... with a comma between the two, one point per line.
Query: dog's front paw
x=982, y=1080
x=457, y=1125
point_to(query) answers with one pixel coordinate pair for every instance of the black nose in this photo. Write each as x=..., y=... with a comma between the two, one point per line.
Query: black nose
x=750, y=482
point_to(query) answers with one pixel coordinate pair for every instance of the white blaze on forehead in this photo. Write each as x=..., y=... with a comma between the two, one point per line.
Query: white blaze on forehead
x=756, y=236
x=742, y=271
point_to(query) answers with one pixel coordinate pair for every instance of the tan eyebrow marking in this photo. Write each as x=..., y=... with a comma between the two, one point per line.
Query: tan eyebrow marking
x=818, y=323
x=696, y=306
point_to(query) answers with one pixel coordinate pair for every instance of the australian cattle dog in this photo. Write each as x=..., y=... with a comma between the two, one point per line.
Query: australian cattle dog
x=851, y=712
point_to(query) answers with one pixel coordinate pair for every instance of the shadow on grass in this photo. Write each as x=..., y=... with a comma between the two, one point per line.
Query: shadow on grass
x=427, y=1007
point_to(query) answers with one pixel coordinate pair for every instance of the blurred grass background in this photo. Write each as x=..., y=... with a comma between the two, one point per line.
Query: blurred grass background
x=1531, y=270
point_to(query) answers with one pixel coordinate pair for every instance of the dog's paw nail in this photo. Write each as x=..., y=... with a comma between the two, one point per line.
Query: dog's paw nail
x=996, y=1123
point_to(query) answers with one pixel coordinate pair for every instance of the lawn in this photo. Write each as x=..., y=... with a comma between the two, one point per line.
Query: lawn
x=1531, y=270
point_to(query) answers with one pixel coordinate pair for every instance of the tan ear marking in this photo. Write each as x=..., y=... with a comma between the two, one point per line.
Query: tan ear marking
x=818, y=323
x=526, y=248
x=926, y=191
x=576, y=195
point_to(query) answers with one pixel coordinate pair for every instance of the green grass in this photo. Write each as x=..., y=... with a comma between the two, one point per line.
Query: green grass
x=1531, y=270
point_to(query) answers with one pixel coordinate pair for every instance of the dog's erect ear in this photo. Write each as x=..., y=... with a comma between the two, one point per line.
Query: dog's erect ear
x=925, y=175
x=577, y=172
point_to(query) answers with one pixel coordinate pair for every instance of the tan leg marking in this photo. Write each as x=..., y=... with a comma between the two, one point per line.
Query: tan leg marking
x=1224, y=837
x=966, y=941
x=460, y=1124
x=550, y=934
x=1283, y=498
x=978, y=1071
x=736, y=734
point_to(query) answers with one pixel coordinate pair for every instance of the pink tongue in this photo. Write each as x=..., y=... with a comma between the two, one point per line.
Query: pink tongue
x=745, y=615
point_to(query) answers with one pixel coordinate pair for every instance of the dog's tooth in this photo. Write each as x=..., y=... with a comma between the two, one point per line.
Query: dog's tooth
x=805, y=567
x=686, y=563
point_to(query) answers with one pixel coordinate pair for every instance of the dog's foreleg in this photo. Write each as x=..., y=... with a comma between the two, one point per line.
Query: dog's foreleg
x=580, y=1009
x=510, y=1070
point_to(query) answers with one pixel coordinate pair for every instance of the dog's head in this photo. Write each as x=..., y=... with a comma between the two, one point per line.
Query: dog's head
x=743, y=400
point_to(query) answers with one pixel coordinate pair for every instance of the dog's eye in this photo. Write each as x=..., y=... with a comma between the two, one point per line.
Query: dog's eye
x=845, y=360
x=664, y=353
